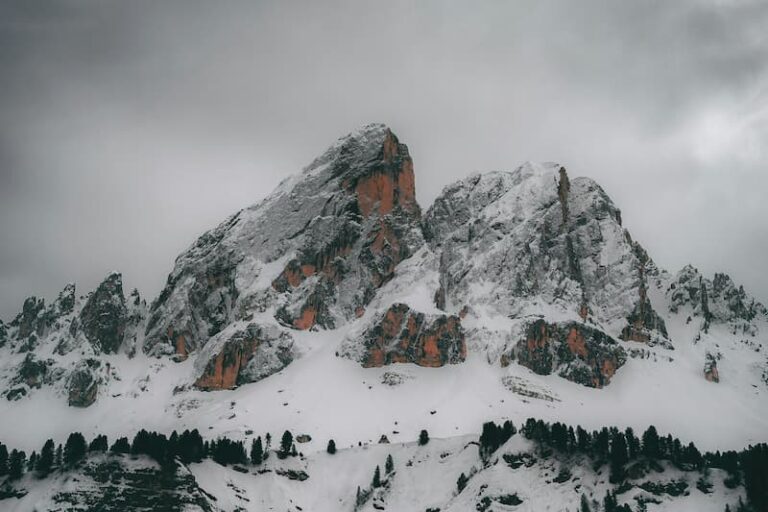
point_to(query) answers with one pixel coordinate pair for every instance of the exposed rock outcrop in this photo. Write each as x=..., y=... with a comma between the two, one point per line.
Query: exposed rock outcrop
x=314, y=252
x=243, y=354
x=32, y=372
x=402, y=335
x=574, y=351
x=83, y=384
x=718, y=300
x=104, y=316
x=29, y=320
x=511, y=243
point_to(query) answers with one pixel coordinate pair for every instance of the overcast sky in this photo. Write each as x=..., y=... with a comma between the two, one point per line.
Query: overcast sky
x=129, y=128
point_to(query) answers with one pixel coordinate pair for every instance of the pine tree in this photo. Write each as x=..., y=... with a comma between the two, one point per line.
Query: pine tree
x=585, y=504
x=610, y=504
x=651, y=447
x=423, y=437
x=461, y=483
x=3, y=460
x=285, y=445
x=59, y=456
x=618, y=457
x=32, y=461
x=257, y=452
x=74, y=449
x=377, y=478
x=121, y=446
x=331, y=447
x=99, y=444
x=16, y=462
x=633, y=444
x=45, y=461
x=389, y=465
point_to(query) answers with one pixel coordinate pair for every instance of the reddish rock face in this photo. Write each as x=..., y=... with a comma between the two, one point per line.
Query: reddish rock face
x=394, y=185
x=368, y=239
x=246, y=355
x=405, y=336
x=575, y=351
x=223, y=370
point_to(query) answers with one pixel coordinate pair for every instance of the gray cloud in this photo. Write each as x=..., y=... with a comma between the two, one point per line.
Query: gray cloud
x=128, y=128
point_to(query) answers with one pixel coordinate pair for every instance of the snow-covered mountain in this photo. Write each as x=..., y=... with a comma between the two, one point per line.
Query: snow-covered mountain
x=335, y=308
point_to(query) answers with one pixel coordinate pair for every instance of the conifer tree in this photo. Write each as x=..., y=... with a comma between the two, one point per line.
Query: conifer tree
x=257, y=451
x=45, y=461
x=651, y=443
x=32, y=461
x=331, y=447
x=285, y=445
x=461, y=483
x=59, y=456
x=121, y=445
x=16, y=462
x=389, y=466
x=618, y=457
x=3, y=460
x=74, y=449
x=585, y=504
x=376, y=478
x=423, y=437
x=99, y=444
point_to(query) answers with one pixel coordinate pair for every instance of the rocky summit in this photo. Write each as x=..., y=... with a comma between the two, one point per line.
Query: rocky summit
x=336, y=297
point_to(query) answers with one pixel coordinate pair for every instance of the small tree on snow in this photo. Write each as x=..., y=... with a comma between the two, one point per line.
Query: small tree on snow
x=389, y=466
x=376, y=478
x=331, y=447
x=423, y=437
x=461, y=483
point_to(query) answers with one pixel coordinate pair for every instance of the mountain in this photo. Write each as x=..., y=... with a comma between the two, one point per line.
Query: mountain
x=336, y=308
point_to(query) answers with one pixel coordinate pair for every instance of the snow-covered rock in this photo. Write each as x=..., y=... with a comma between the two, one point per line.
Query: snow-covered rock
x=311, y=254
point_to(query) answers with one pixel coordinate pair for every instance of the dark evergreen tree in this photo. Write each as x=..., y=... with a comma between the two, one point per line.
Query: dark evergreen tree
x=16, y=462
x=99, y=444
x=610, y=503
x=331, y=447
x=389, y=465
x=32, y=461
x=651, y=448
x=3, y=460
x=423, y=437
x=583, y=440
x=74, y=449
x=285, y=445
x=226, y=451
x=754, y=463
x=584, y=504
x=59, y=456
x=45, y=461
x=376, y=478
x=618, y=457
x=461, y=483
x=190, y=447
x=257, y=451
x=601, y=441
x=121, y=445
x=633, y=444
x=493, y=436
